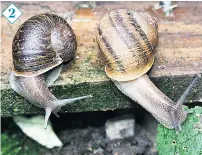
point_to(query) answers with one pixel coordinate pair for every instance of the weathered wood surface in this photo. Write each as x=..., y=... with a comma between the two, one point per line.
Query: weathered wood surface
x=178, y=56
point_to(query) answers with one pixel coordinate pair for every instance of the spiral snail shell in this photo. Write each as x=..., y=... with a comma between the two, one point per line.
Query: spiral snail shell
x=120, y=30
x=41, y=43
x=40, y=46
x=127, y=40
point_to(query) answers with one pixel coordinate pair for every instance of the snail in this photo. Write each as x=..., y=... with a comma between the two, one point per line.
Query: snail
x=127, y=40
x=40, y=46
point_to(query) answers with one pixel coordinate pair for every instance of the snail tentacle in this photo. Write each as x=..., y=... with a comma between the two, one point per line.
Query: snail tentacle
x=40, y=46
x=47, y=115
x=55, y=113
x=186, y=92
x=56, y=106
x=63, y=102
x=128, y=40
x=176, y=124
x=143, y=91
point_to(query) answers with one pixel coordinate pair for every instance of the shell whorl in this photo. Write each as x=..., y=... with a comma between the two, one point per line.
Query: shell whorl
x=127, y=40
x=41, y=43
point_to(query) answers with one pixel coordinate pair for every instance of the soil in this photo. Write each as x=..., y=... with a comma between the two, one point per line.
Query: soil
x=91, y=141
x=82, y=135
x=86, y=136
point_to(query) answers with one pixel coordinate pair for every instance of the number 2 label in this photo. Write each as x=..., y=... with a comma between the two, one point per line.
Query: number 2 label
x=12, y=15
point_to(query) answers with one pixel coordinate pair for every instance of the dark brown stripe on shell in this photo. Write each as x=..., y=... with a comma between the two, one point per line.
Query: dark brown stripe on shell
x=111, y=51
x=32, y=45
x=121, y=35
x=33, y=62
x=128, y=37
x=138, y=28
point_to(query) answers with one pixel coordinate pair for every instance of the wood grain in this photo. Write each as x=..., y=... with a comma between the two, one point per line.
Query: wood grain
x=179, y=52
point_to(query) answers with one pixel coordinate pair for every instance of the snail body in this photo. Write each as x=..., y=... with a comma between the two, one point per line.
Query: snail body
x=40, y=46
x=127, y=40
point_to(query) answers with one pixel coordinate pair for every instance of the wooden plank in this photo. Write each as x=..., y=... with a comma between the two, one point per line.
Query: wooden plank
x=178, y=57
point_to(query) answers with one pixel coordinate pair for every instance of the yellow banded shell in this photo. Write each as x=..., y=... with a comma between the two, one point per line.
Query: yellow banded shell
x=127, y=40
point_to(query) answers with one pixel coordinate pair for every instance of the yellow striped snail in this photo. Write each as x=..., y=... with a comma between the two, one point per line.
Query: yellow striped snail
x=40, y=46
x=127, y=40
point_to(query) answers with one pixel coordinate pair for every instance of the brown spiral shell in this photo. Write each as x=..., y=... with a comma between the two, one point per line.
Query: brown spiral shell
x=41, y=43
x=127, y=40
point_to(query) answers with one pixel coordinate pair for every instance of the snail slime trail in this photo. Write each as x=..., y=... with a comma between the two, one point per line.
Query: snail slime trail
x=127, y=40
x=42, y=44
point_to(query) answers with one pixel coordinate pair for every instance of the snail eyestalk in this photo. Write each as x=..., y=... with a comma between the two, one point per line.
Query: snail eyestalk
x=39, y=48
x=47, y=115
x=57, y=105
x=179, y=104
x=70, y=100
x=143, y=91
x=128, y=40
x=184, y=95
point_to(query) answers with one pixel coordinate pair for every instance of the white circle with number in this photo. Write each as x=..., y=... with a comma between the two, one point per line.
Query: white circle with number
x=12, y=13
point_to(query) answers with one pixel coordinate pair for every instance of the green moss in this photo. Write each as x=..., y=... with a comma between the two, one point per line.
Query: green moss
x=187, y=142
x=16, y=143
x=105, y=96
x=175, y=86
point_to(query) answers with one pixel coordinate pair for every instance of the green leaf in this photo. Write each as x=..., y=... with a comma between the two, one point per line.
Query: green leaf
x=187, y=142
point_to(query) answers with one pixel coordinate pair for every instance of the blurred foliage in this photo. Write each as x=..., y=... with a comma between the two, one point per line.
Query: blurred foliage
x=14, y=142
x=187, y=142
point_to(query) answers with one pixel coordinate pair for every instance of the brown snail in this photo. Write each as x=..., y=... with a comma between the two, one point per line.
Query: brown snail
x=127, y=40
x=40, y=46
